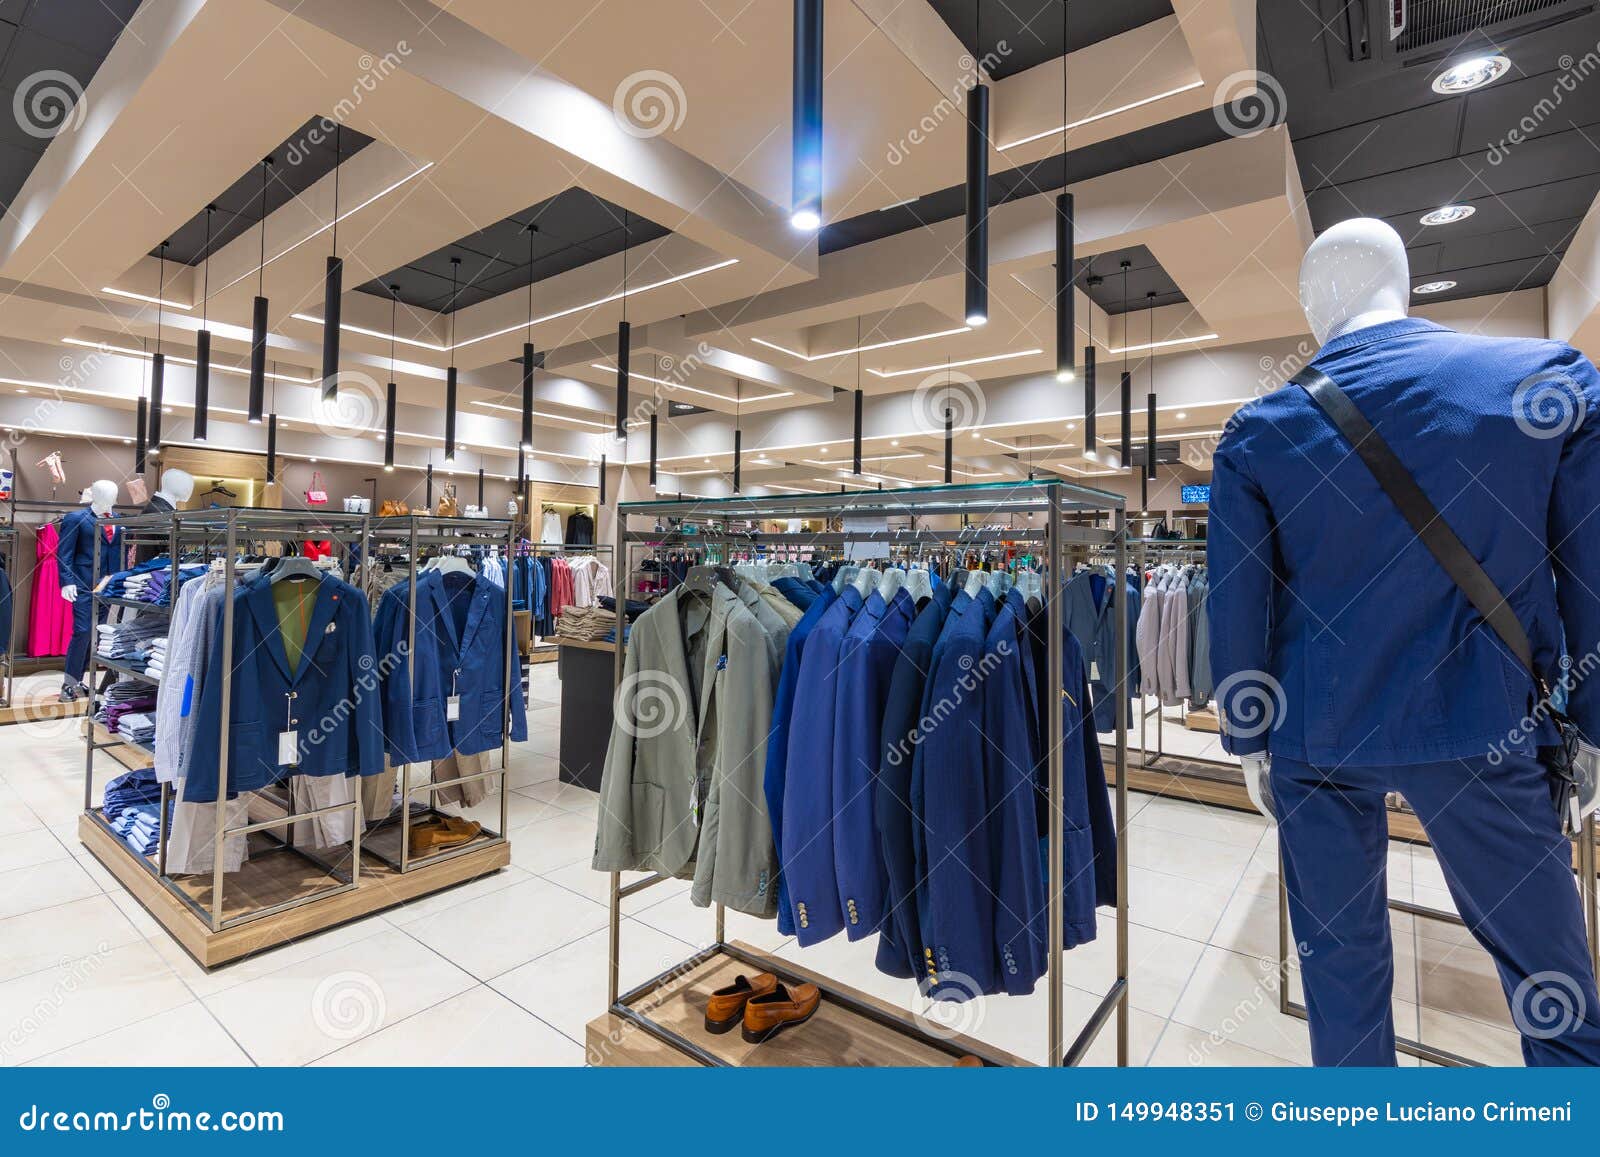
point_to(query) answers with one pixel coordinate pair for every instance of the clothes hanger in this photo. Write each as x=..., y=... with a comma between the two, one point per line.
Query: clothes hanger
x=294, y=567
x=893, y=579
x=866, y=581
x=975, y=580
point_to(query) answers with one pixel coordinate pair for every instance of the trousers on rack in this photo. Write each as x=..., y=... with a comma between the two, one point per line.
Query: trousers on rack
x=82, y=635
x=1508, y=868
x=456, y=765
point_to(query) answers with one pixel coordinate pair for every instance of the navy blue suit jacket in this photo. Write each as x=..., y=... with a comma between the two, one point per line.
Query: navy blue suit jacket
x=75, y=549
x=1371, y=656
x=796, y=592
x=333, y=706
x=900, y=945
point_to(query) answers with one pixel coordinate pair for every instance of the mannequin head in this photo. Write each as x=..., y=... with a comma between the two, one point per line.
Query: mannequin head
x=1354, y=275
x=102, y=497
x=177, y=485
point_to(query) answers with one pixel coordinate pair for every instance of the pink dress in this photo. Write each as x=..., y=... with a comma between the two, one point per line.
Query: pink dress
x=50, y=615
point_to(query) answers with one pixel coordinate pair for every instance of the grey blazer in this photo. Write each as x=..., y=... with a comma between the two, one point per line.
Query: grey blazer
x=681, y=792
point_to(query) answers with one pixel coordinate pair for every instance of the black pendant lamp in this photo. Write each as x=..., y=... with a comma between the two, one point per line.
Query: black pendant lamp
x=623, y=340
x=1066, y=304
x=527, y=355
x=332, y=288
x=949, y=430
x=738, y=435
x=141, y=419
x=258, y=329
x=856, y=440
x=1127, y=380
x=390, y=391
x=272, y=431
x=480, y=488
x=158, y=363
x=202, y=345
x=805, y=209
x=1150, y=401
x=977, y=256
x=450, y=374
x=1089, y=398
x=602, y=480
x=655, y=411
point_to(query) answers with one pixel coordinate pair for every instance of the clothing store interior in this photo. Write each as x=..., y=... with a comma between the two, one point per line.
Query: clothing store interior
x=940, y=533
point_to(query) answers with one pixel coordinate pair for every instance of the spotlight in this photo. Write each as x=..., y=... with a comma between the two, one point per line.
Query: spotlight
x=1466, y=75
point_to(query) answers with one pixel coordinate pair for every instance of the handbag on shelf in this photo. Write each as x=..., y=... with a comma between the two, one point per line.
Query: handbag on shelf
x=138, y=492
x=1561, y=759
x=448, y=507
x=477, y=512
x=357, y=505
x=316, y=496
x=393, y=508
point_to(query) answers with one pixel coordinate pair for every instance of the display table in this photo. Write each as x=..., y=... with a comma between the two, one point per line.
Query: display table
x=588, y=679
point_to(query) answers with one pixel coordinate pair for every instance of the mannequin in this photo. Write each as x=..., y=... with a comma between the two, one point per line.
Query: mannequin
x=176, y=488
x=1348, y=665
x=75, y=559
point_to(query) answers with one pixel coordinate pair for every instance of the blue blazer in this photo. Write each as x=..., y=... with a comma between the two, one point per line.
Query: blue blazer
x=778, y=742
x=461, y=622
x=796, y=592
x=1371, y=656
x=808, y=814
x=900, y=943
x=866, y=664
x=330, y=700
x=75, y=550
x=949, y=798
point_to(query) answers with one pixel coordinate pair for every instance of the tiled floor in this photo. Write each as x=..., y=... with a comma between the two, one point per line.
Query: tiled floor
x=508, y=969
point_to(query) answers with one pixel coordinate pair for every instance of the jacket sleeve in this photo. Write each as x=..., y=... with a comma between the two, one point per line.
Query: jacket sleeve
x=513, y=683
x=391, y=642
x=613, y=839
x=368, y=716
x=205, y=750
x=66, y=550
x=1239, y=551
x=1574, y=535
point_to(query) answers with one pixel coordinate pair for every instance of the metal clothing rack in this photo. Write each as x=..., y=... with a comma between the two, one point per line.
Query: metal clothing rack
x=1052, y=498
x=8, y=547
x=418, y=532
x=222, y=531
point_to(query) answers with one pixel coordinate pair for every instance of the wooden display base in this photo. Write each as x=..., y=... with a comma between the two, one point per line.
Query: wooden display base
x=42, y=709
x=273, y=878
x=837, y=1035
x=1204, y=719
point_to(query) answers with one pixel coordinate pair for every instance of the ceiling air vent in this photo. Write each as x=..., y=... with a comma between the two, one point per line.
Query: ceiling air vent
x=1430, y=22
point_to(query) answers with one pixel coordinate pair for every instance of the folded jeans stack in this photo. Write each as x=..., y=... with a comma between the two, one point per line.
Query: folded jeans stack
x=585, y=623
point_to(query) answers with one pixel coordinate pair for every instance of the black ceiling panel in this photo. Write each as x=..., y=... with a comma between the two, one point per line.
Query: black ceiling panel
x=572, y=228
x=41, y=36
x=298, y=163
x=1019, y=34
x=1373, y=139
x=1145, y=276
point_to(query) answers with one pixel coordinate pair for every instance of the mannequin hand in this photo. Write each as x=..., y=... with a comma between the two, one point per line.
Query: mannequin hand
x=70, y=593
x=1258, y=782
x=1588, y=769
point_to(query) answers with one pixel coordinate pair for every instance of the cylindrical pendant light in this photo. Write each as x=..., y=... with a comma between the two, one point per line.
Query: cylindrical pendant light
x=949, y=444
x=450, y=374
x=856, y=439
x=272, y=448
x=805, y=209
x=602, y=480
x=977, y=254
x=624, y=339
x=528, y=354
x=1066, y=304
x=1150, y=436
x=1150, y=402
x=258, y=328
x=158, y=363
x=1127, y=420
x=480, y=488
x=332, y=289
x=202, y=345
x=428, y=493
x=654, y=443
x=390, y=393
x=738, y=447
x=140, y=421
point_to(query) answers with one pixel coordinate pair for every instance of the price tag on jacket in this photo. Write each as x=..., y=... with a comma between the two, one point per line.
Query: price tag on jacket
x=288, y=748
x=452, y=709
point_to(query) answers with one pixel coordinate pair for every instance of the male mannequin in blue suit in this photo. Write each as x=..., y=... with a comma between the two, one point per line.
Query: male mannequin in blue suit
x=76, y=566
x=1348, y=674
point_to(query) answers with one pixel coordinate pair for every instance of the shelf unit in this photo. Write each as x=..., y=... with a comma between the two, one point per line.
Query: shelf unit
x=647, y=1008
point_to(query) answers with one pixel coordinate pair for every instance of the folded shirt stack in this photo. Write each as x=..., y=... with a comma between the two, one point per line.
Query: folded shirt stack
x=158, y=657
x=585, y=623
x=137, y=727
x=126, y=639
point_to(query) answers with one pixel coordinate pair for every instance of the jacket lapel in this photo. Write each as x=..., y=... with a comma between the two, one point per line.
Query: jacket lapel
x=482, y=592
x=258, y=597
x=433, y=608
x=322, y=613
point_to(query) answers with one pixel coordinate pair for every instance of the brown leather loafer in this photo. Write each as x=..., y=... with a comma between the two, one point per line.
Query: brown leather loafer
x=725, y=1008
x=434, y=835
x=766, y=1016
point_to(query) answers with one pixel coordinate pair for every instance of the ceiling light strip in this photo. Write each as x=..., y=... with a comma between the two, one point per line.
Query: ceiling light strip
x=1100, y=116
x=953, y=365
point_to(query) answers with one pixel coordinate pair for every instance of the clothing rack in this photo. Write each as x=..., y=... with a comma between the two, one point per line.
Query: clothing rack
x=8, y=547
x=419, y=532
x=1052, y=498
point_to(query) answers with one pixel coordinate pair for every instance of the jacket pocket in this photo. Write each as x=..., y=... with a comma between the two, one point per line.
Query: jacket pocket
x=648, y=806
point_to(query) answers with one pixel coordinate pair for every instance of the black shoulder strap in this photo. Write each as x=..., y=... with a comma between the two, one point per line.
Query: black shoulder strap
x=1422, y=515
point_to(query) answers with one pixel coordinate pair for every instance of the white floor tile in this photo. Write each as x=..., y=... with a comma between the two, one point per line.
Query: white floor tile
x=307, y=1010
x=1237, y=997
x=561, y=839
x=188, y=1035
x=28, y=848
x=477, y=1028
x=584, y=880
x=494, y=933
x=53, y=937
x=43, y=886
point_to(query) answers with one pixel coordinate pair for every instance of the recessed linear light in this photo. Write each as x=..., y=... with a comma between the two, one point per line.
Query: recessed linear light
x=145, y=297
x=521, y=325
x=861, y=349
x=1161, y=345
x=106, y=347
x=844, y=482
x=898, y=204
x=864, y=454
x=790, y=489
x=1470, y=74
x=953, y=365
x=692, y=389
x=1434, y=287
x=557, y=417
x=1100, y=116
x=411, y=176
x=1448, y=215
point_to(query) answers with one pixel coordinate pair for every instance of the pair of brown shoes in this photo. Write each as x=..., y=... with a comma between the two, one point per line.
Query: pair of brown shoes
x=436, y=833
x=763, y=1006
